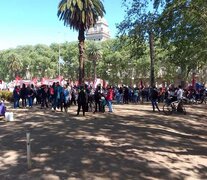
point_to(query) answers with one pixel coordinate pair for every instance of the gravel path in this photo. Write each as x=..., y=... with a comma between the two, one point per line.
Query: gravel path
x=131, y=143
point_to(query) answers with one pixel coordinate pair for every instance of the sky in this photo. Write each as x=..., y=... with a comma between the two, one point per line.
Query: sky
x=30, y=22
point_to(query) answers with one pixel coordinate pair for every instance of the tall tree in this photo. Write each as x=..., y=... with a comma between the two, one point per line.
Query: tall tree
x=80, y=15
x=139, y=24
x=94, y=53
x=183, y=31
x=15, y=64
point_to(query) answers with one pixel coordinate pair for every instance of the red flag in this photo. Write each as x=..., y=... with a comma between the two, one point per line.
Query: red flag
x=44, y=81
x=60, y=78
x=17, y=78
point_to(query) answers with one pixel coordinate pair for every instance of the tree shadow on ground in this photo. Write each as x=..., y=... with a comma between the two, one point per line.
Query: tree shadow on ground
x=129, y=145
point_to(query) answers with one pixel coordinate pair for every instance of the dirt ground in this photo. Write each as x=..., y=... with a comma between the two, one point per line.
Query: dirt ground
x=131, y=143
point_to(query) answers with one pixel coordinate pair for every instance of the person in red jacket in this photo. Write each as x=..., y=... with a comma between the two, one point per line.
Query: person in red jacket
x=109, y=98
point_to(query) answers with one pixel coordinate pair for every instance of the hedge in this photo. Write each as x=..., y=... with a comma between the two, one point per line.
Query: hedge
x=6, y=95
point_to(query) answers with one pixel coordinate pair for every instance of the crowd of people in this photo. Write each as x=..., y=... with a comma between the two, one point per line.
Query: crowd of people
x=87, y=98
x=61, y=97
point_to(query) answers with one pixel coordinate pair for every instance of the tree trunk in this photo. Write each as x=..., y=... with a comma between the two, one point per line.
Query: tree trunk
x=94, y=68
x=152, y=59
x=81, y=38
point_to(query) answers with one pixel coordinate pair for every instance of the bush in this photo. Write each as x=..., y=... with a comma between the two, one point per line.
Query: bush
x=6, y=95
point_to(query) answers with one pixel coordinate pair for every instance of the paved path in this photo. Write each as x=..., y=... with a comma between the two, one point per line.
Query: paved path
x=131, y=143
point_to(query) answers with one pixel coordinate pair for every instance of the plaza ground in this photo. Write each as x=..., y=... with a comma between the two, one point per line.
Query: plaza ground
x=131, y=143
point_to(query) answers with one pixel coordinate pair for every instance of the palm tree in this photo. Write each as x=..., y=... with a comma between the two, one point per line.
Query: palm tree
x=15, y=64
x=94, y=53
x=80, y=15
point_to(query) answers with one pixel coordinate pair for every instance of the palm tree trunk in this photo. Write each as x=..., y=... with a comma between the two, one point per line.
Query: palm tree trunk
x=152, y=59
x=81, y=38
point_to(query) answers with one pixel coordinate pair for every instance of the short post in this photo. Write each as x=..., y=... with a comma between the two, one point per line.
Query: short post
x=28, y=150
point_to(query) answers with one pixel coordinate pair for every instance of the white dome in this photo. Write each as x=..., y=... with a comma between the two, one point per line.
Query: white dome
x=101, y=20
x=99, y=32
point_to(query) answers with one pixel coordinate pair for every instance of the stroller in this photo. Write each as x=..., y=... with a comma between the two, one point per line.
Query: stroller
x=2, y=108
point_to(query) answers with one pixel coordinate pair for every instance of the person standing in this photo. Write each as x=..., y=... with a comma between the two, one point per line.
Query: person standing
x=30, y=94
x=109, y=98
x=23, y=95
x=51, y=93
x=81, y=100
x=44, y=94
x=97, y=98
x=179, y=93
x=58, y=97
x=121, y=97
x=66, y=96
x=126, y=95
x=16, y=96
x=73, y=96
x=154, y=98
x=135, y=95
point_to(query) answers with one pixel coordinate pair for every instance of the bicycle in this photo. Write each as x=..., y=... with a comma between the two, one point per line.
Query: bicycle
x=202, y=100
x=175, y=106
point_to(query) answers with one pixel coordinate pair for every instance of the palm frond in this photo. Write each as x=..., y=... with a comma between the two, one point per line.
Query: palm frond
x=80, y=13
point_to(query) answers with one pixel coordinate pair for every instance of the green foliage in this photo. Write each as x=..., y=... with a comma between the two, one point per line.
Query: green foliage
x=80, y=13
x=38, y=60
x=179, y=29
x=94, y=55
x=183, y=31
x=6, y=95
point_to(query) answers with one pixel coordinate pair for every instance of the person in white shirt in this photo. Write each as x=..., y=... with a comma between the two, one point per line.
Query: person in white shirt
x=179, y=93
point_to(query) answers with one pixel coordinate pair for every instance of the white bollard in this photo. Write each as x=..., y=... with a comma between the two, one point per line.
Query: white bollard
x=29, y=164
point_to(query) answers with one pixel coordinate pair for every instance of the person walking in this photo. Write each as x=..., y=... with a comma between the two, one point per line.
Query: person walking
x=154, y=98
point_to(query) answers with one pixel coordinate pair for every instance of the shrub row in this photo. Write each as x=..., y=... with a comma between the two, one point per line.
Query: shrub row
x=6, y=95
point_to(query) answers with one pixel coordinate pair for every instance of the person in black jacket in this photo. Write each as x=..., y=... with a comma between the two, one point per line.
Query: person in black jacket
x=81, y=100
x=44, y=95
x=97, y=98
x=154, y=98
x=23, y=95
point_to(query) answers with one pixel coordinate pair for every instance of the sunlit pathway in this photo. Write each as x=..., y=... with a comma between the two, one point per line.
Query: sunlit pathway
x=131, y=143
